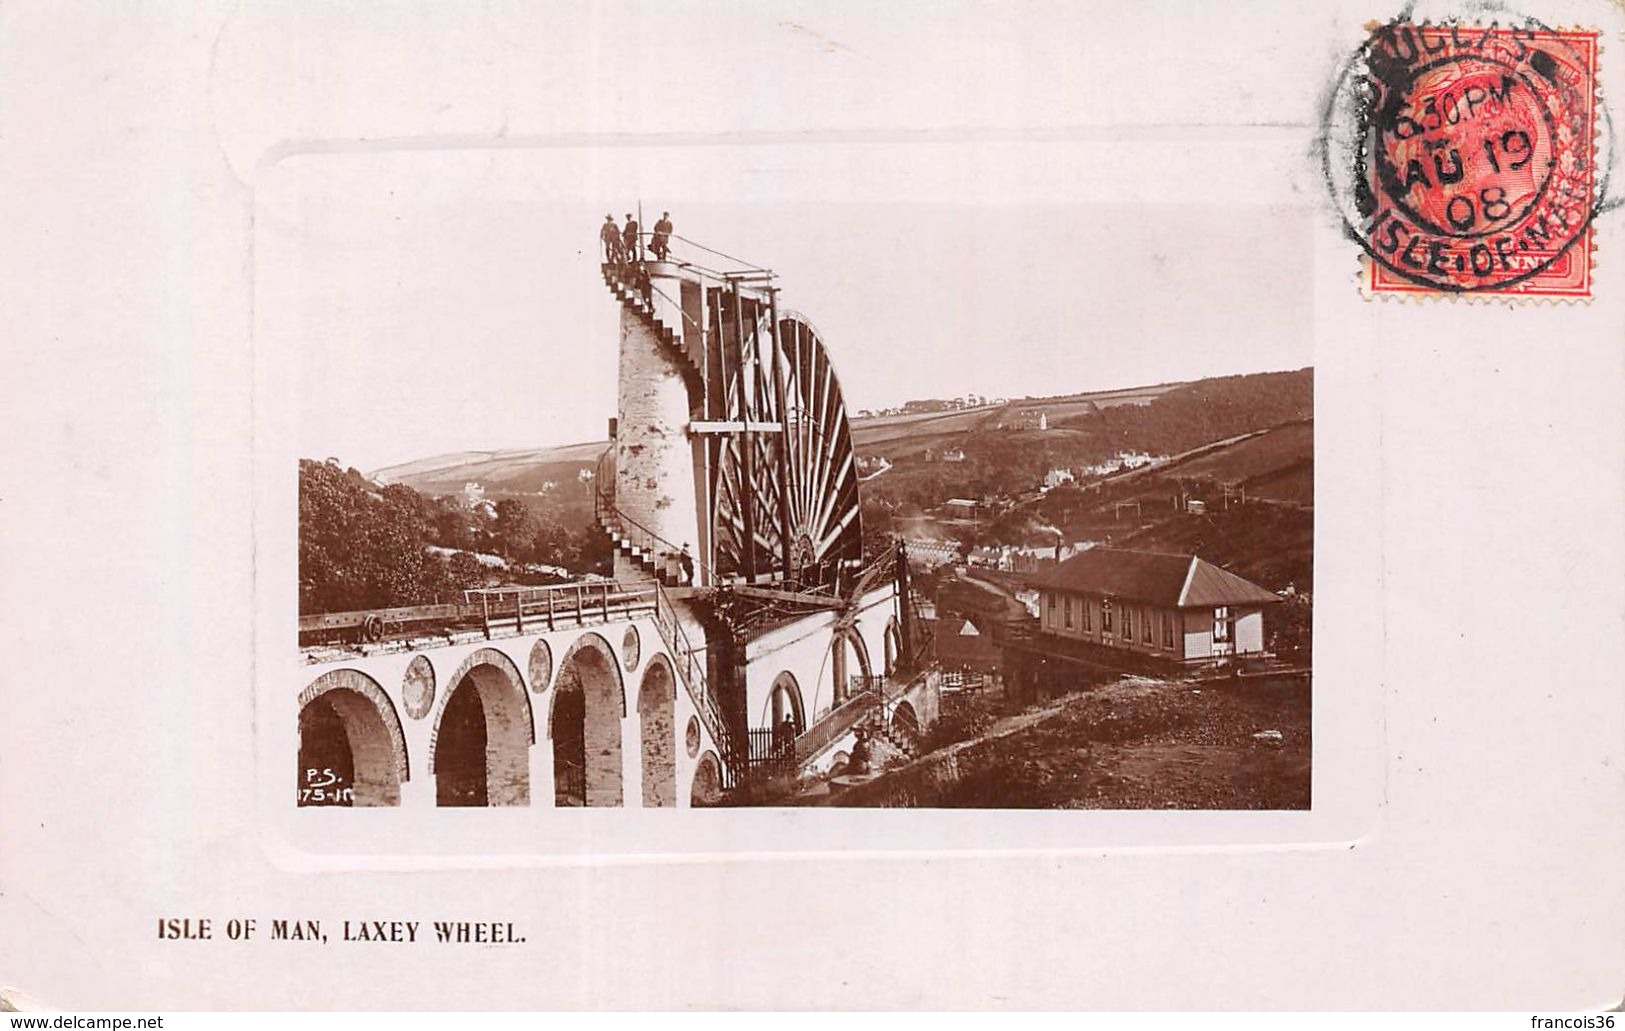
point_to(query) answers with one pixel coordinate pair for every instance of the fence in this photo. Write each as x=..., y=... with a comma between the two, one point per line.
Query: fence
x=772, y=752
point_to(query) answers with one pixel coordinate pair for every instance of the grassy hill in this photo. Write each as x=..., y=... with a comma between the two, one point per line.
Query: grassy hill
x=1004, y=454
x=522, y=470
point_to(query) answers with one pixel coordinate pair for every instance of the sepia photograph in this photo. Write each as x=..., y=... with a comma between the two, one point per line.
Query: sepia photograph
x=806, y=504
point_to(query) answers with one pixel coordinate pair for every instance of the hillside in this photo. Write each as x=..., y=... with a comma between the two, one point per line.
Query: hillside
x=994, y=451
x=1129, y=743
x=522, y=470
x=982, y=458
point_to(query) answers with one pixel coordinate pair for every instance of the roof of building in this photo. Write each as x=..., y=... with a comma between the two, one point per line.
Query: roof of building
x=1183, y=581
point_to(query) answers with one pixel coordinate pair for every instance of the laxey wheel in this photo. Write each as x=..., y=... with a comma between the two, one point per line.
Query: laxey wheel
x=784, y=503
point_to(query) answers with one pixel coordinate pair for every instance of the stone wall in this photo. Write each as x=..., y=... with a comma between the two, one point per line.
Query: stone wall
x=393, y=746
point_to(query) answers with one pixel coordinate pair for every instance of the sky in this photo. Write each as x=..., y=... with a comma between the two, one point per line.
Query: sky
x=438, y=299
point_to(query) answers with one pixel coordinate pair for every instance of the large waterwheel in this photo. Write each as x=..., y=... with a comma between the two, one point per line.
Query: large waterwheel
x=783, y=479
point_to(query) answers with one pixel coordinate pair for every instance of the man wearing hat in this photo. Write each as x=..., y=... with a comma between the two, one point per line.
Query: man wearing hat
x=660, y=244
x=629, y=239
x=612, y=240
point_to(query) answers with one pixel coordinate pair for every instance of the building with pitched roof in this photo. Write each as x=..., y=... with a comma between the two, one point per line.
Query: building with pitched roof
x=1106, y=610
x=1175, y=607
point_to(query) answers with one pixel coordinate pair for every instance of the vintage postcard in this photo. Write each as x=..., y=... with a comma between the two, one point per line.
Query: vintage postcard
x=799, y=506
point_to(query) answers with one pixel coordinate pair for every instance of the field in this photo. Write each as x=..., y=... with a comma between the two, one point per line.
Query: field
x=1278, y=464
x=523, y=469
x=520, y=470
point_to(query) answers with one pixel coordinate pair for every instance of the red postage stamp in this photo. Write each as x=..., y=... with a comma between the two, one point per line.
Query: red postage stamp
x=1469, y=159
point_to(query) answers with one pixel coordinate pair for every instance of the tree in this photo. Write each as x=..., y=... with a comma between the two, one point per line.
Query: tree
x=514, y=529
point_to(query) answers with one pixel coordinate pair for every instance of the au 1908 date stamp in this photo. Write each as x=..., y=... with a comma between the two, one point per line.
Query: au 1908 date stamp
x=1465, y=159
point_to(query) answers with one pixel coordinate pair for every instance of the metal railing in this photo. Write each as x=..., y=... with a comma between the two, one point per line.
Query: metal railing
x=693, y=256
x=691, y=670
x=489, y=609
x=546, y=606
x=659, y=550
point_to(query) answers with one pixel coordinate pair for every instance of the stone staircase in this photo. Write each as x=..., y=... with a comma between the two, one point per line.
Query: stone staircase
x=651, y=555
x=903, y=743
x=637, y=295
x=656, y=558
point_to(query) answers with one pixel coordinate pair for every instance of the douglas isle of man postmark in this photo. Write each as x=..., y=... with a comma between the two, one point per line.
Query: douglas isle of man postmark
x=1469, y=159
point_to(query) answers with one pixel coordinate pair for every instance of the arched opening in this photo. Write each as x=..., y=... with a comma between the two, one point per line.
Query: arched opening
x=657, y=704
x=845, y=669
x=905, y=726
x=893, y=646
x=351, y=750
x=707, y=788
x=851, y=665
x=481, y=747
x=588, y=705
x=784, y=704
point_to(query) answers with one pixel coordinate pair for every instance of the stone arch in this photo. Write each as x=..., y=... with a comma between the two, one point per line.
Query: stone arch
x=584, y=722
x=480, y=748
x=905, y=724
x=706, y=789
x=861, y=650
x=657, y=717
x=351, y=747
x=849, y=657
x=784, y=699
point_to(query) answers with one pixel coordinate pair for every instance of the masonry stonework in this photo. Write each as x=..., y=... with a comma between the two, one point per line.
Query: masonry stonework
x=654, y=477
x=657, y=700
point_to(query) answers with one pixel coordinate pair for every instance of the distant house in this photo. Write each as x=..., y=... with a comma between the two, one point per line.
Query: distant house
x=953, y=454
x=961, y=508
x=929, y=554
x=1056, y=477
x=1123, y=460
x=1179, y=608
x=989, y=557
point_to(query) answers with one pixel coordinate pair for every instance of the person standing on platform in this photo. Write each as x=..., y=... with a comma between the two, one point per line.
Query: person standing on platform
x=629, y=239
x=685, y=562
x=661, y=242
x=611, y=238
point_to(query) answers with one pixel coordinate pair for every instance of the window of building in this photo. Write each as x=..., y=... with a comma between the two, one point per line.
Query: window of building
x=1221, y=623
x=1106, y=615
x=1067, y=603
x=1083, y=605
x=1128, y=624
x=1145, y=626
x=1167, y=629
